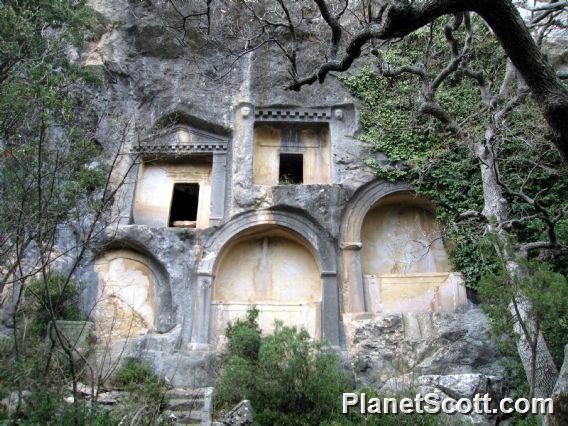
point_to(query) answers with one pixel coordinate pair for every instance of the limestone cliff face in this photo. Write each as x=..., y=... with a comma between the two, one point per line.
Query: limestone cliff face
x=238, y=192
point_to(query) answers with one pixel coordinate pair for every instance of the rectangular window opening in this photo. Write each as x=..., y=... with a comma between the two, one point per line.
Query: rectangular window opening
x=183, y=211
x=291, y=169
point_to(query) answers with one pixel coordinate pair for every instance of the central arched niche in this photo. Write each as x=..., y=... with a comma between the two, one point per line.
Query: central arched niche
x=403, y=259
x=274, y=270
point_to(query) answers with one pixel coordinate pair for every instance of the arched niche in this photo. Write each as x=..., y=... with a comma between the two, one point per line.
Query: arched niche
x=273, y=270
x=392, y=255
x=400, y=235
x=298, y=231
x=132, y=297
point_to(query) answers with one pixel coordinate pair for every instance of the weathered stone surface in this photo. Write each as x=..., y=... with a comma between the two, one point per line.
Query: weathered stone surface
x=112, y=397
x=189, y=405
x=6, y=333
x=392, y=346
x=241, y=414
x=454, y=386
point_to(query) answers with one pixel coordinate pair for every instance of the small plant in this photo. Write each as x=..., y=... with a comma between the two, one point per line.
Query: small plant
x=146, y=399
x=286, y=180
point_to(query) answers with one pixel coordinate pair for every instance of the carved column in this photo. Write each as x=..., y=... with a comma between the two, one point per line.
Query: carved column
x=330, y=307
x=123, y=207
x=202, y=315
x=352, y=277
x=218, y=179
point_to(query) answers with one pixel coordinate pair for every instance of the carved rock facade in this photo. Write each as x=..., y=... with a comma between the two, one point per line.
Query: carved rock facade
x=238, y=193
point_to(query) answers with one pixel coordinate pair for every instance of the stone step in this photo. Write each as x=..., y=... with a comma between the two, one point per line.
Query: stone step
x=189, y=406
x=181, y=393
x=185, y=404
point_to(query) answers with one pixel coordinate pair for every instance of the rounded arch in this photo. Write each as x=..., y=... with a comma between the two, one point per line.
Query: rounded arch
x=315, y=238
x=361, y=202
x=400, y=235
x=359, y=205
x=369, y=280
x=296, y=224
x=134, y=251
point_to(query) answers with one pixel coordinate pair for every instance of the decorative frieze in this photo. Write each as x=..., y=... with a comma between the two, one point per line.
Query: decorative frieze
x=180, y=140
x=294, y=115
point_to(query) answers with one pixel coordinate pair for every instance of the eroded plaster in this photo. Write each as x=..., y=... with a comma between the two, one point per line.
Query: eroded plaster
x=126, y=303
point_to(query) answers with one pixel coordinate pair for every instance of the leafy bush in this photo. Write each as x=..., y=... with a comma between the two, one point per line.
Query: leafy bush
x=244, y=336
x=288, y=377
x=47, y=407
x=137, y=379
x=146, y=399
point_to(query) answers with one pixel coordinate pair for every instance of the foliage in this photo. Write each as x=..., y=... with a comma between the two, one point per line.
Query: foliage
x=46, y=403
x=50, y=167
x=46, y=408
x=288, y=377
x=146, y=399
x=548, y=293
x=137, y=378
x=439, y=166
x=62, y=296
x=49, y=163
x=418, y=151
x=244, y=336
x=354, y=417
x=27, y=364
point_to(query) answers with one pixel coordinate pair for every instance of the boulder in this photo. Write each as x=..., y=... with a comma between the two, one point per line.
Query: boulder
x=454, y=386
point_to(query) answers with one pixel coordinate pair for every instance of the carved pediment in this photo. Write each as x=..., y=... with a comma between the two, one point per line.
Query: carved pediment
x=182, y=139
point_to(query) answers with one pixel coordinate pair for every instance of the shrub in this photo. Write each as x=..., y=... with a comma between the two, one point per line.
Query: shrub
x=288, y=377
x=47, y=407
x=136, y=378
x=244, y=336
x=63, y=297
x=146, y=399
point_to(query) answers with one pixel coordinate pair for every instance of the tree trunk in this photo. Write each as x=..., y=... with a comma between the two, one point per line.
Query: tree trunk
x=560, y=396
x=545, y=372
x=540, y=366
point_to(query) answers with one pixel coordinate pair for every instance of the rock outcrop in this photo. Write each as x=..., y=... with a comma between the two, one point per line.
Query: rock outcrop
x=405, y=347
